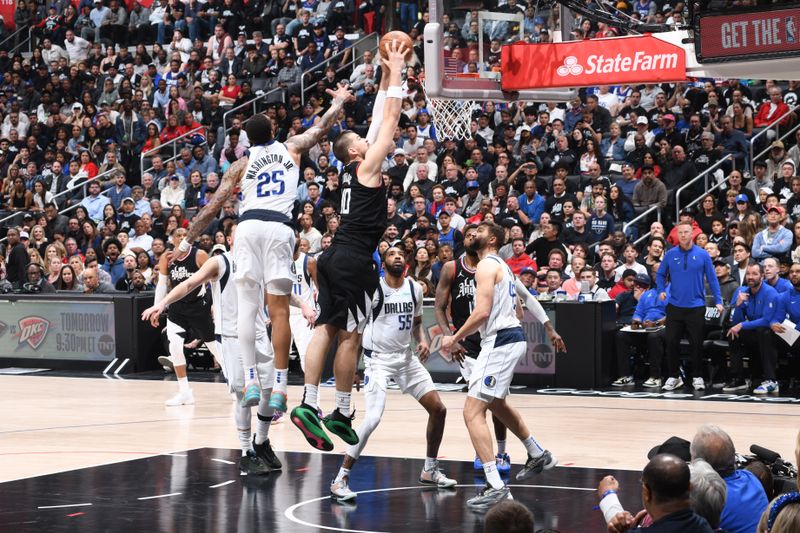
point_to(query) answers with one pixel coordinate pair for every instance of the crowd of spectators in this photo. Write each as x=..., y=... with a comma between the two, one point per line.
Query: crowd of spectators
x=107, y=92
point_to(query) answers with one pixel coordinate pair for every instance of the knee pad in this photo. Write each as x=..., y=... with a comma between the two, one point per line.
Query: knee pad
x=176, y=340
x=242, y=415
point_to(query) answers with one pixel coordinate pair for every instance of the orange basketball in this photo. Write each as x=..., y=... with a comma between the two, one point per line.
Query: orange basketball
x=397, y=36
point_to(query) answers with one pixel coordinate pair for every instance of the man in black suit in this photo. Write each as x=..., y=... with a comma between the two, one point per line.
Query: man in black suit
x=230, y=64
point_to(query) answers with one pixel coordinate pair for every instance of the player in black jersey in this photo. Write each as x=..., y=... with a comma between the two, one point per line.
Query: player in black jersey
x=346, y=272
x=191, y=313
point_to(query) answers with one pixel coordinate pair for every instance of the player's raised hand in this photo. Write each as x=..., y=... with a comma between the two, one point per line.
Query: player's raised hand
x=342, y=94
x=396, y=55
x=152, y=314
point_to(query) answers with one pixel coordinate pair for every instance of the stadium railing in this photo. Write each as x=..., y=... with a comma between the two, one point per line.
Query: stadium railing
x=252, y=102
x=322, y=66
x=644, y=215
x=703, y=175
x=23, y=30
x=776, y=127
x=173, y=144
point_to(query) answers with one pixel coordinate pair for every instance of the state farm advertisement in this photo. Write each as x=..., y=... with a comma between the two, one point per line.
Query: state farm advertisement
x=760, y=34
x=640, y=59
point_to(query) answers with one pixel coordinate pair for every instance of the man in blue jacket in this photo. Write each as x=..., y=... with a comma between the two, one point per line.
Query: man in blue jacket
x=775, y=240
x=756, y=306
x=686, y=265
x=789, y=307
x=650, y=313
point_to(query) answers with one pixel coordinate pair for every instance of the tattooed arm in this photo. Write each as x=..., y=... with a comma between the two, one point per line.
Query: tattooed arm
x=300, y=144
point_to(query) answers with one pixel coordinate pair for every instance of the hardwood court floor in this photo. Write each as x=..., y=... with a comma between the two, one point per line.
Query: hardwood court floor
x=52, y=424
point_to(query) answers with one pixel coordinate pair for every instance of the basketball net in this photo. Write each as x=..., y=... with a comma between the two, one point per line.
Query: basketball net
x=451, y=118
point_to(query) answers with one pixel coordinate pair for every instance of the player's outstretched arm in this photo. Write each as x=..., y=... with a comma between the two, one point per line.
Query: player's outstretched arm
x=208, y=272
x=204, y=217
x=369, y=170
x=300, y=144
x=538, y=312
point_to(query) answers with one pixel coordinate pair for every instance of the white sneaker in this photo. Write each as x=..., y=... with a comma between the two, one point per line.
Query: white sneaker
x=623, y=381
x=340, y=490
x=652, y=383
x=166, y=363
x=181, y=398
x=767, y=387
x=672, y=384
x=436, y=477
x=698, y=384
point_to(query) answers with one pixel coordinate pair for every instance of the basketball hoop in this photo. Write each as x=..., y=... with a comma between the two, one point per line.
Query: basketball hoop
x=451, y=118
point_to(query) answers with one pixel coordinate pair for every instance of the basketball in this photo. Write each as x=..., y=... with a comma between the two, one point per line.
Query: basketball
x=397, y=36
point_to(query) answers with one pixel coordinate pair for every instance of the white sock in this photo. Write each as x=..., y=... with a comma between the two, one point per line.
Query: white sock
x=534, y=450
x=264, y=418
x=280, y=380
x=431, y=463
x=343, y=402
x=311, y=395
x=244, y=440
x=343, y=472
x=492, y=475
x=183, y=384
x=250, y=374
x=501, y=447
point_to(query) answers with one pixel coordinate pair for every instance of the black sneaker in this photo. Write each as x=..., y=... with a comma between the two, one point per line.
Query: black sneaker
x=251, y=464
x=488, y=497
x=341, y=426
x=265, y=453
x=536, y=465
x=735, y=384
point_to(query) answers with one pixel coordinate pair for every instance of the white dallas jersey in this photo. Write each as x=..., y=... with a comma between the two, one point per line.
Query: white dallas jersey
x=223, y=291
x=393, y=313
x=504, y=303
x=303, y=286
x=270, y=180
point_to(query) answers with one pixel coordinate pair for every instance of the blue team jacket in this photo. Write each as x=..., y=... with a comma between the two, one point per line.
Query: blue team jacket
x=788, y=307
x=686, y=269
x=650, y=307
x=759, y=309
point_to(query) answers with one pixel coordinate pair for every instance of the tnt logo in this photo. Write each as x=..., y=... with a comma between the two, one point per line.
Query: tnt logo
x=570, y=67
x=489, y=381
x=33, y=330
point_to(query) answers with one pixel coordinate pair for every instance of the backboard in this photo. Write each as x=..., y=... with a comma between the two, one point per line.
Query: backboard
x=448, y=76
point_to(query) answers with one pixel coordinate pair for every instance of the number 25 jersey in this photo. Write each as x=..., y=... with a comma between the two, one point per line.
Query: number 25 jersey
x=270, y=180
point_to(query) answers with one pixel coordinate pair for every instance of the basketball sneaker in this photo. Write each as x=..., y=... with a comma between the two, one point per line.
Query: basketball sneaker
x=276, y=417
x=652, y=383
x=537, y=465
x=252, y=464
x=277, y=400
x=698, y=384
x=251, y=394
x=734, y=385
x=265, y=453
x=167, y=363
x=488, y=497
x=341, y=426
x=673, y=383
x=503, y=462
x=767, y=387
x=436, y=477
x=306, y=419
x=340, y=490
x=181, y=398
x=622, y=381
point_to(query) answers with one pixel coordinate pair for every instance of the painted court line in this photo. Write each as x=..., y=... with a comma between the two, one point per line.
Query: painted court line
x=160, y=496
x=63, y=506
x=221, y=484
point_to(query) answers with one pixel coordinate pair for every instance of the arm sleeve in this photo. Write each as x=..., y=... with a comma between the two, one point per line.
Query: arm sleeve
x=531, y=303
x=377, y=112
x=161, y=288
x=610, y=506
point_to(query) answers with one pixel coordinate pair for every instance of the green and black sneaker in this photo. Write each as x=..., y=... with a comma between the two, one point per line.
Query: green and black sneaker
x=341, y=426
x=306, y=419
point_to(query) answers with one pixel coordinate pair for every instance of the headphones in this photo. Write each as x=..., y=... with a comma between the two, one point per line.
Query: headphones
x=37, y=265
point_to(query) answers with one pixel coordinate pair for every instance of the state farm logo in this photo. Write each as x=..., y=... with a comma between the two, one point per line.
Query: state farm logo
x=570, y=67
x=33, y=330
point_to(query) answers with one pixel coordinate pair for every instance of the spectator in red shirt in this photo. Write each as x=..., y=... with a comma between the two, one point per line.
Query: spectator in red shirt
x=625, y=283
x=770, y=112
x=519, y=259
